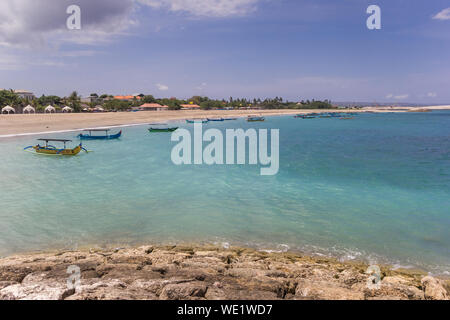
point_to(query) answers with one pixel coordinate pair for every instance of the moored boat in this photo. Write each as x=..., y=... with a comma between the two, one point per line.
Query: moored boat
x=162, y=129
x=106, y=136
x=303, y=116
x=197, y=120
x=52, y=150
x=255, y=119
x=215, y=119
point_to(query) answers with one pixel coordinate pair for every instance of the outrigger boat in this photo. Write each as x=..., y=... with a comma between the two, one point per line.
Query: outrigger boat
x=162, y=129
x=229, y=119
x=51, y=150
x=216, y=119
x=107, y=136
x=197, y=121
x=304, y=116
x=255, y=119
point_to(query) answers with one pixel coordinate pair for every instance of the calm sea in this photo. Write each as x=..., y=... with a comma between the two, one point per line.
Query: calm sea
x=376, y=188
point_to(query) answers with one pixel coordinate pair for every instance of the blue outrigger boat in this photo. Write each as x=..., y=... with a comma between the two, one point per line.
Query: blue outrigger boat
x=216, y=119
x=255, y=119
x=303, y=116
x=107, y=136
x=197, y=121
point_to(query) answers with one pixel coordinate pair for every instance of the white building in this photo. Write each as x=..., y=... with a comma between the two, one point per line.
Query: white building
x=25, y=94
x=92, y=99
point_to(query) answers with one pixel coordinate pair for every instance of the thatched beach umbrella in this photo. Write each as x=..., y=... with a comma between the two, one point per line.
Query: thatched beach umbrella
x=67, y=109
x=99, y=109
x=8, y=110
x=29, y=109
x=50, y=109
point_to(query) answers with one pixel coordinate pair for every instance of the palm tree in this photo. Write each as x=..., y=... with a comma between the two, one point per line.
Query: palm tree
x=74, y=101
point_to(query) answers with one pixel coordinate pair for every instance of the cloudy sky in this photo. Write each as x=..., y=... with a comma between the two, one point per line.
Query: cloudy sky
x=220, y=48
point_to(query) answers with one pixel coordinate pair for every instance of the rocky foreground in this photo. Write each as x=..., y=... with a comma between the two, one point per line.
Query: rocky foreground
x=185, y=272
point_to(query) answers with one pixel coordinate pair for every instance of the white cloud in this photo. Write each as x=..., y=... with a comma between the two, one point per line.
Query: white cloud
x=9, y=62
x=162, y=87
x=205, y=8
x=397, y=97
x=14, y=61
x=30, y=23
x=40, y=24
x=443, y=15
x=432, y=94
x=77, y=53
x=202, y=86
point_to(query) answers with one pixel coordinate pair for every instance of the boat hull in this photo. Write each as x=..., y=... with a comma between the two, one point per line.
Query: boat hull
x=256, y=119
x=196, y=121
x=216, y=120
x=107, y=137
x=162, y=130
x=58, y=152
x=304, y=117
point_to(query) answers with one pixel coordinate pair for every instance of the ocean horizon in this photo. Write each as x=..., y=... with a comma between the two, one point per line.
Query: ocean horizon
x=374, y=189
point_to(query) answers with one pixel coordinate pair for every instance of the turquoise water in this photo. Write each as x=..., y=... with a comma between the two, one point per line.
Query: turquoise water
x=375, y=188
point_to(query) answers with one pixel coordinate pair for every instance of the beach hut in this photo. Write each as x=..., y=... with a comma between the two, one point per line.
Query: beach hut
x=29, y=109
x=50, y=109
x=190, y=107
x=8, y=110
x=153, y=107
x=67, y=109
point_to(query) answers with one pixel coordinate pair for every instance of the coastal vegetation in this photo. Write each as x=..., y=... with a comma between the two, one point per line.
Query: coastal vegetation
x=111, y=103
x=8, y=97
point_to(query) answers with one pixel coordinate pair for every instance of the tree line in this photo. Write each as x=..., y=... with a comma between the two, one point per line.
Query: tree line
x=9, y=97
x=106, y=101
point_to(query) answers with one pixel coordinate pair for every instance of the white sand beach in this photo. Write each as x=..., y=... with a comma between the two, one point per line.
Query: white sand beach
x=26, y=124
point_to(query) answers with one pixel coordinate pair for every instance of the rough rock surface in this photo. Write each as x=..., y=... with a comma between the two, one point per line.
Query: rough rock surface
x=434, y=289
x=197, y=273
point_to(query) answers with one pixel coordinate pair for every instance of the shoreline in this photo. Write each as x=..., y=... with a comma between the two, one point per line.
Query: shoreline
x=17, y=125
x=344, y=256
x=35, y=124
x=206, y=272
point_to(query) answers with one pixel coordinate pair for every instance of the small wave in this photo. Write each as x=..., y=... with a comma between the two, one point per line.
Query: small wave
x=342, y=254
x=281, y=248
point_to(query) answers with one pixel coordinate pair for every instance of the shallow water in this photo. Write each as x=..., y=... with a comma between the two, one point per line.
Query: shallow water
x=374, y=188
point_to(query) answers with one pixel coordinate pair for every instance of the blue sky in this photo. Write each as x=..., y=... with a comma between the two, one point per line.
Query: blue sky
x=298, y=49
